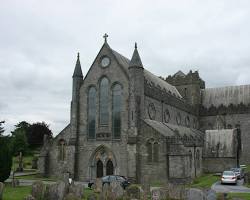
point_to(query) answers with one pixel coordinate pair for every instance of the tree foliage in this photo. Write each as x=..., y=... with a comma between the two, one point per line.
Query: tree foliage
x=36, y=133
x=1, y=128
x=31, y=134
x=5, y=157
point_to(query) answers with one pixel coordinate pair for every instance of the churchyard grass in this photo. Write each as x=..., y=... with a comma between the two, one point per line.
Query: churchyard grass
x=36, y=177
x=87, y=191
x=16, y=193
x=27, y=162
x=230, y=196
x=204, y=181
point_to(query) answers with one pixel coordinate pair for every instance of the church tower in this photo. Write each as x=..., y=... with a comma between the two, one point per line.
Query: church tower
x=74, y=118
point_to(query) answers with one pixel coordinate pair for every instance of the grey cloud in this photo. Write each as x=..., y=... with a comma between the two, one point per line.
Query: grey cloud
x=39, y=41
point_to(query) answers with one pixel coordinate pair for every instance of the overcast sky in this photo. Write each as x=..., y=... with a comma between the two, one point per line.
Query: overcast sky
x=39, y=41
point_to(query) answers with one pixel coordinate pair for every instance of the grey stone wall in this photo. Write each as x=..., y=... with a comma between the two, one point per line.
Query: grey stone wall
x=56, y=166
x=213, y=165
x=234, y=120
x=162, y=107
x=154, y=171
x=115, y=74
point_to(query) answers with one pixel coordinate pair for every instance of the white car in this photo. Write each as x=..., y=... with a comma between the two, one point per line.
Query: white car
x=229, y=177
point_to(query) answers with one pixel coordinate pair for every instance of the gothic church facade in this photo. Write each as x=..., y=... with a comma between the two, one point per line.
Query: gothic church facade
x=125, y=120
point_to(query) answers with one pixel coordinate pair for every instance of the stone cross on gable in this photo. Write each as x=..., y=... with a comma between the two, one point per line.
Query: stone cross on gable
x=105, y=37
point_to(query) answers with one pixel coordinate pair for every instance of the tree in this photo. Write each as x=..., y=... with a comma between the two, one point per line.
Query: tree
x=5, y=158
x=36, y=134
x=20, y=143
x=19, y=139
x=1, y=128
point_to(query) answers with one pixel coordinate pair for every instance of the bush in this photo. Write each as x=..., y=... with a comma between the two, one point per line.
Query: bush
x=5, y=158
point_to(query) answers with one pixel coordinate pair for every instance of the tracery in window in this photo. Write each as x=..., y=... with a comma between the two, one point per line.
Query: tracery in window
x=116, y=110
x=104, y=101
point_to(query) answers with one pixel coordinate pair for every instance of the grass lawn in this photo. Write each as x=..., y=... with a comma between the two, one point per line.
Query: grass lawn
x=204, y=181
x=16, y=193
x=230, y=196
x=36, y=177
x=27, y=162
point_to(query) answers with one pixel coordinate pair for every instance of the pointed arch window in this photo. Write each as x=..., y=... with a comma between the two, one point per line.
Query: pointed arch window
x=62, y=150
x=104, y=101
x=116, y=110
x=91, y=112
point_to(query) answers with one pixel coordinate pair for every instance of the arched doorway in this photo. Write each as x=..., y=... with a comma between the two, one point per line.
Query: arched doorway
x=109, y=168
x=99, y=169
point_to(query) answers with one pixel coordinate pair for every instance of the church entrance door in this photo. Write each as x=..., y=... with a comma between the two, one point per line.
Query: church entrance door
x=99, y=169
x=109, y=168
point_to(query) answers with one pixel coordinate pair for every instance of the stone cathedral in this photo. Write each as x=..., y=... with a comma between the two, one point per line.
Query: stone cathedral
x=127, y=121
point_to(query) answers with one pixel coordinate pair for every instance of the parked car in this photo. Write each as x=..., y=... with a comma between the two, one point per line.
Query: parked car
x=239, y=172
x=229, y=177
x=108, y=179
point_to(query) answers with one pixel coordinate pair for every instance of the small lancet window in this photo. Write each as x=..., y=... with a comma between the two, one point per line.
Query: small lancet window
x=62, y=150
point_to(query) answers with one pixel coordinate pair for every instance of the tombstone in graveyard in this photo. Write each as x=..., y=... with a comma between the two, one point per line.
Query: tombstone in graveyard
x=38, y=190
x=20, y=162
x=77, y=190
x=133, y=192
x=1, y=190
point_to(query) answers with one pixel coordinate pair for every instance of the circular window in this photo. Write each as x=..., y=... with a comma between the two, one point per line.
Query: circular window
x=166, y=116
x=151, y=111
x=105, y=61
x=178, y=118
x=187, y=121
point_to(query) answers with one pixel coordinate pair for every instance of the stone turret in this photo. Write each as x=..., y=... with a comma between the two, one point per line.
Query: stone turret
x=136, y=90
x=74, y=118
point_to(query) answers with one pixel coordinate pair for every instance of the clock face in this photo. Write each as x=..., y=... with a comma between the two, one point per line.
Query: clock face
x=105, y=61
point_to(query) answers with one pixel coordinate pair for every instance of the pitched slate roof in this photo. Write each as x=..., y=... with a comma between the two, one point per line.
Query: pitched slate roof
x=151, y=78
x=171, y=130
x=226, y=96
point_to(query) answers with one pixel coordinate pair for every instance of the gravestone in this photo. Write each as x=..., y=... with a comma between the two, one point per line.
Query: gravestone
x=20, y=162
x=77, y=190
x=116, y=189
x=1, y=190
x=56, y=191
x=195, y=194
x=38, y=190
x=34, y=163
x=29, y=197
x=98, y=185
x=71, y=196
x=133, y=192
x=159, y=193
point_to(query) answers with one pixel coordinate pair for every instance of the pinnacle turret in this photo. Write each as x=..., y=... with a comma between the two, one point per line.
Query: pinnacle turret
x=135, y=60
x=78, y=69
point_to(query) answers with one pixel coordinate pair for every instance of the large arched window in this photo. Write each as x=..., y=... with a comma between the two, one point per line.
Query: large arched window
x=91, y=112
x=104, y=101
x=116, y=111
